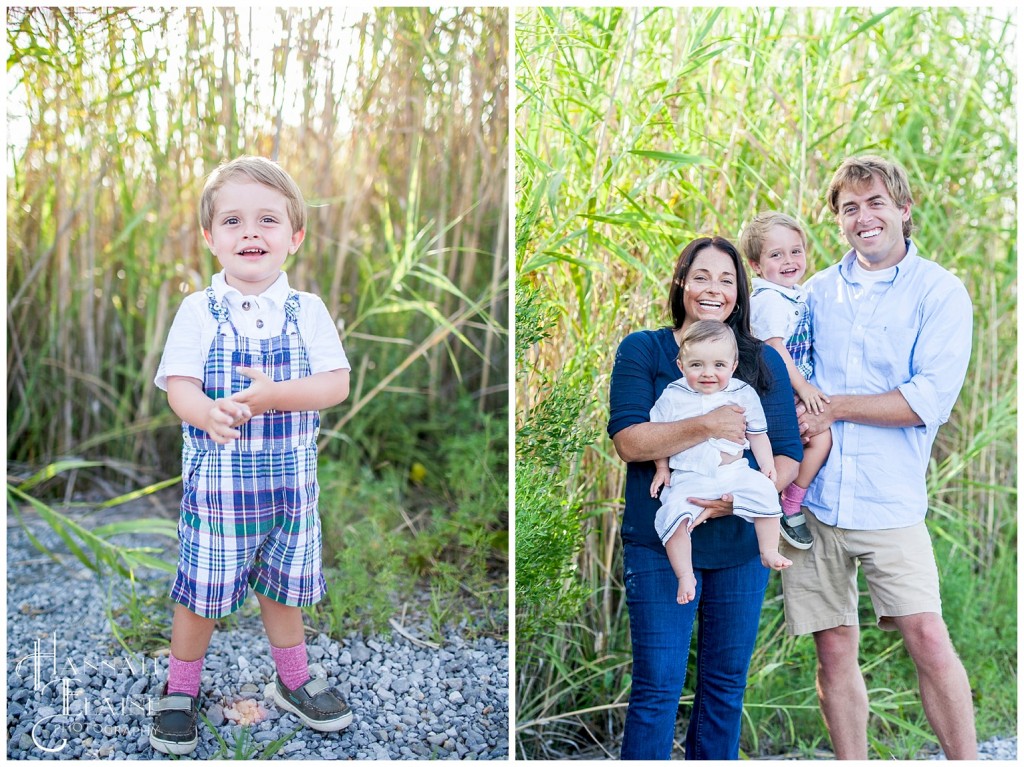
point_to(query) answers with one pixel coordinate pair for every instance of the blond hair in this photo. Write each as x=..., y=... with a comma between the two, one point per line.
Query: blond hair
x=707, y=330
x=857, y=172
x=262, y=171
x=754, y=234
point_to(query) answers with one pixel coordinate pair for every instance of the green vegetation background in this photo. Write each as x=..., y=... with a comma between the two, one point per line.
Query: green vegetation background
x=394, y=122
x=638, y=129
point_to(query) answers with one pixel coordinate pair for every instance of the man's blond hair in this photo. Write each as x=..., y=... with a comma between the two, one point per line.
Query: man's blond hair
x=857, y=172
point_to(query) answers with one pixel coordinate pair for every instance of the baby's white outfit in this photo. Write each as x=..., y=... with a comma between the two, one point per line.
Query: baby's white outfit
x=698, y=472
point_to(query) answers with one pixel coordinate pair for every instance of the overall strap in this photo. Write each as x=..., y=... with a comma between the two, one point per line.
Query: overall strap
x=218, y=309
x=291, y=311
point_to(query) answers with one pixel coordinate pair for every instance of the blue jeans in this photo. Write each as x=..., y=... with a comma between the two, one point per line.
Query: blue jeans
x=728, y=602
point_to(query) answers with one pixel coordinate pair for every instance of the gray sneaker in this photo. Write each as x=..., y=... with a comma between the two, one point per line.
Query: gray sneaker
x=794, y=530
x=175, y=727
x=315, y=703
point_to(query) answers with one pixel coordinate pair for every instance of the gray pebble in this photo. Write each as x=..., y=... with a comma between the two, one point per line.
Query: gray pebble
x=401, y=694
x=215, y=714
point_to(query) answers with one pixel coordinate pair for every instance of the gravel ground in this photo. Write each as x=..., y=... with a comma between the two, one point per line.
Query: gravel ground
x=995, y=748
x=73, y=693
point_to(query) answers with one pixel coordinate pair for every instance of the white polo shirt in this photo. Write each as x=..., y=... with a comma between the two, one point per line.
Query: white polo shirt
x=262, y=316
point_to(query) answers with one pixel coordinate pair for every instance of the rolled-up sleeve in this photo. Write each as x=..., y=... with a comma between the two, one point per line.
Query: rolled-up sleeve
x=185, y=352
x=941, y=354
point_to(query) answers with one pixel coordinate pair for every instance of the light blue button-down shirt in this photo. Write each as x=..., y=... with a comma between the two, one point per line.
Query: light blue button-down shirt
x=911, y=333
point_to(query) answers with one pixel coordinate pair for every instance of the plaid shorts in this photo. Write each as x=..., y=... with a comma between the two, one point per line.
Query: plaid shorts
x=248, y=519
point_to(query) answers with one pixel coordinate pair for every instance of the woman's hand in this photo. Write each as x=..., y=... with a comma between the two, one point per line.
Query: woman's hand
x=727, y=422
x=713, y=507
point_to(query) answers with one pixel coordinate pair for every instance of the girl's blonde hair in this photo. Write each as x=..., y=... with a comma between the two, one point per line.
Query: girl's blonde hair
x=262, y=171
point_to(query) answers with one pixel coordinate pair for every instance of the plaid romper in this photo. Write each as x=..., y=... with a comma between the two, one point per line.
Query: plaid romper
x=249, y=508
x=800, y=340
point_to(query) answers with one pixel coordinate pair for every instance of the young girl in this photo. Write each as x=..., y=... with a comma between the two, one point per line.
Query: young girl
x=707, y=358
x=775, y=246
x=247, y=365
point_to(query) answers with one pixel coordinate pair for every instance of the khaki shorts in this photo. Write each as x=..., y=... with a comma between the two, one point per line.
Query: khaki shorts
x=820, y=589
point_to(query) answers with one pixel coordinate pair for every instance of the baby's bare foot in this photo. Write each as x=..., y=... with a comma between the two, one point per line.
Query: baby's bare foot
x=774, y=560
x=687, y=589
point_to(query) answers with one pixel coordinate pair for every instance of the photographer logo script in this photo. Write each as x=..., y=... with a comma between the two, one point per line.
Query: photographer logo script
x=83, y=712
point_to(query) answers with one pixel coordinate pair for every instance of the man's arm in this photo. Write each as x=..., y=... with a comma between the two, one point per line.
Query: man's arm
x=890, y=409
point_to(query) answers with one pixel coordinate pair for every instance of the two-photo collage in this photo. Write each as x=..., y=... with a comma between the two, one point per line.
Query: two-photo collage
x=511, y=383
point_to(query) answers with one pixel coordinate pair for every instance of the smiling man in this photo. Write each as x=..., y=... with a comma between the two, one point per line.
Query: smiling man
x=892, y=341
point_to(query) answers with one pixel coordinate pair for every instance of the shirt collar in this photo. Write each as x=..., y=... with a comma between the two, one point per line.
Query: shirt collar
x=276, y=294
x=905, y=266
x=682, y=383
x=794, y=293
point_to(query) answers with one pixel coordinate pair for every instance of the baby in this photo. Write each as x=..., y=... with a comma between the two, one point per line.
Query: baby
x=707, y=358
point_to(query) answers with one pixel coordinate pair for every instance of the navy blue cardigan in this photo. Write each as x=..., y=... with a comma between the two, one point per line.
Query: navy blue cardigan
x=645, y=363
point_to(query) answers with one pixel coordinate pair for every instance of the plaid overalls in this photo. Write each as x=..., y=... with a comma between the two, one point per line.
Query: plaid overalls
x=249, y=509
x=800, y=340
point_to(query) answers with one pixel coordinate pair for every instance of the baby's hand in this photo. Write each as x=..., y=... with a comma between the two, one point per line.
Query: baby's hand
x=813, y=398
x=222, y=419
x=769, y=471
x=661, y=479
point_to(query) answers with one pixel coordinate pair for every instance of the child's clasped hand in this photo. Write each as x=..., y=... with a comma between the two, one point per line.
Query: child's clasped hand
x=223, y=418
x=258, y=396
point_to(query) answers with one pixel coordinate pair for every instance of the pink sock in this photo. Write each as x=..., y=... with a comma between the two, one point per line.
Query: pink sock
x=184, y=676
x=292, y=665
x=792, y=497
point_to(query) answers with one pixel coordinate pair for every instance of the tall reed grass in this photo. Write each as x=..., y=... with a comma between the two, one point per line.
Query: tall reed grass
x=393, y=122
x=638, y=129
